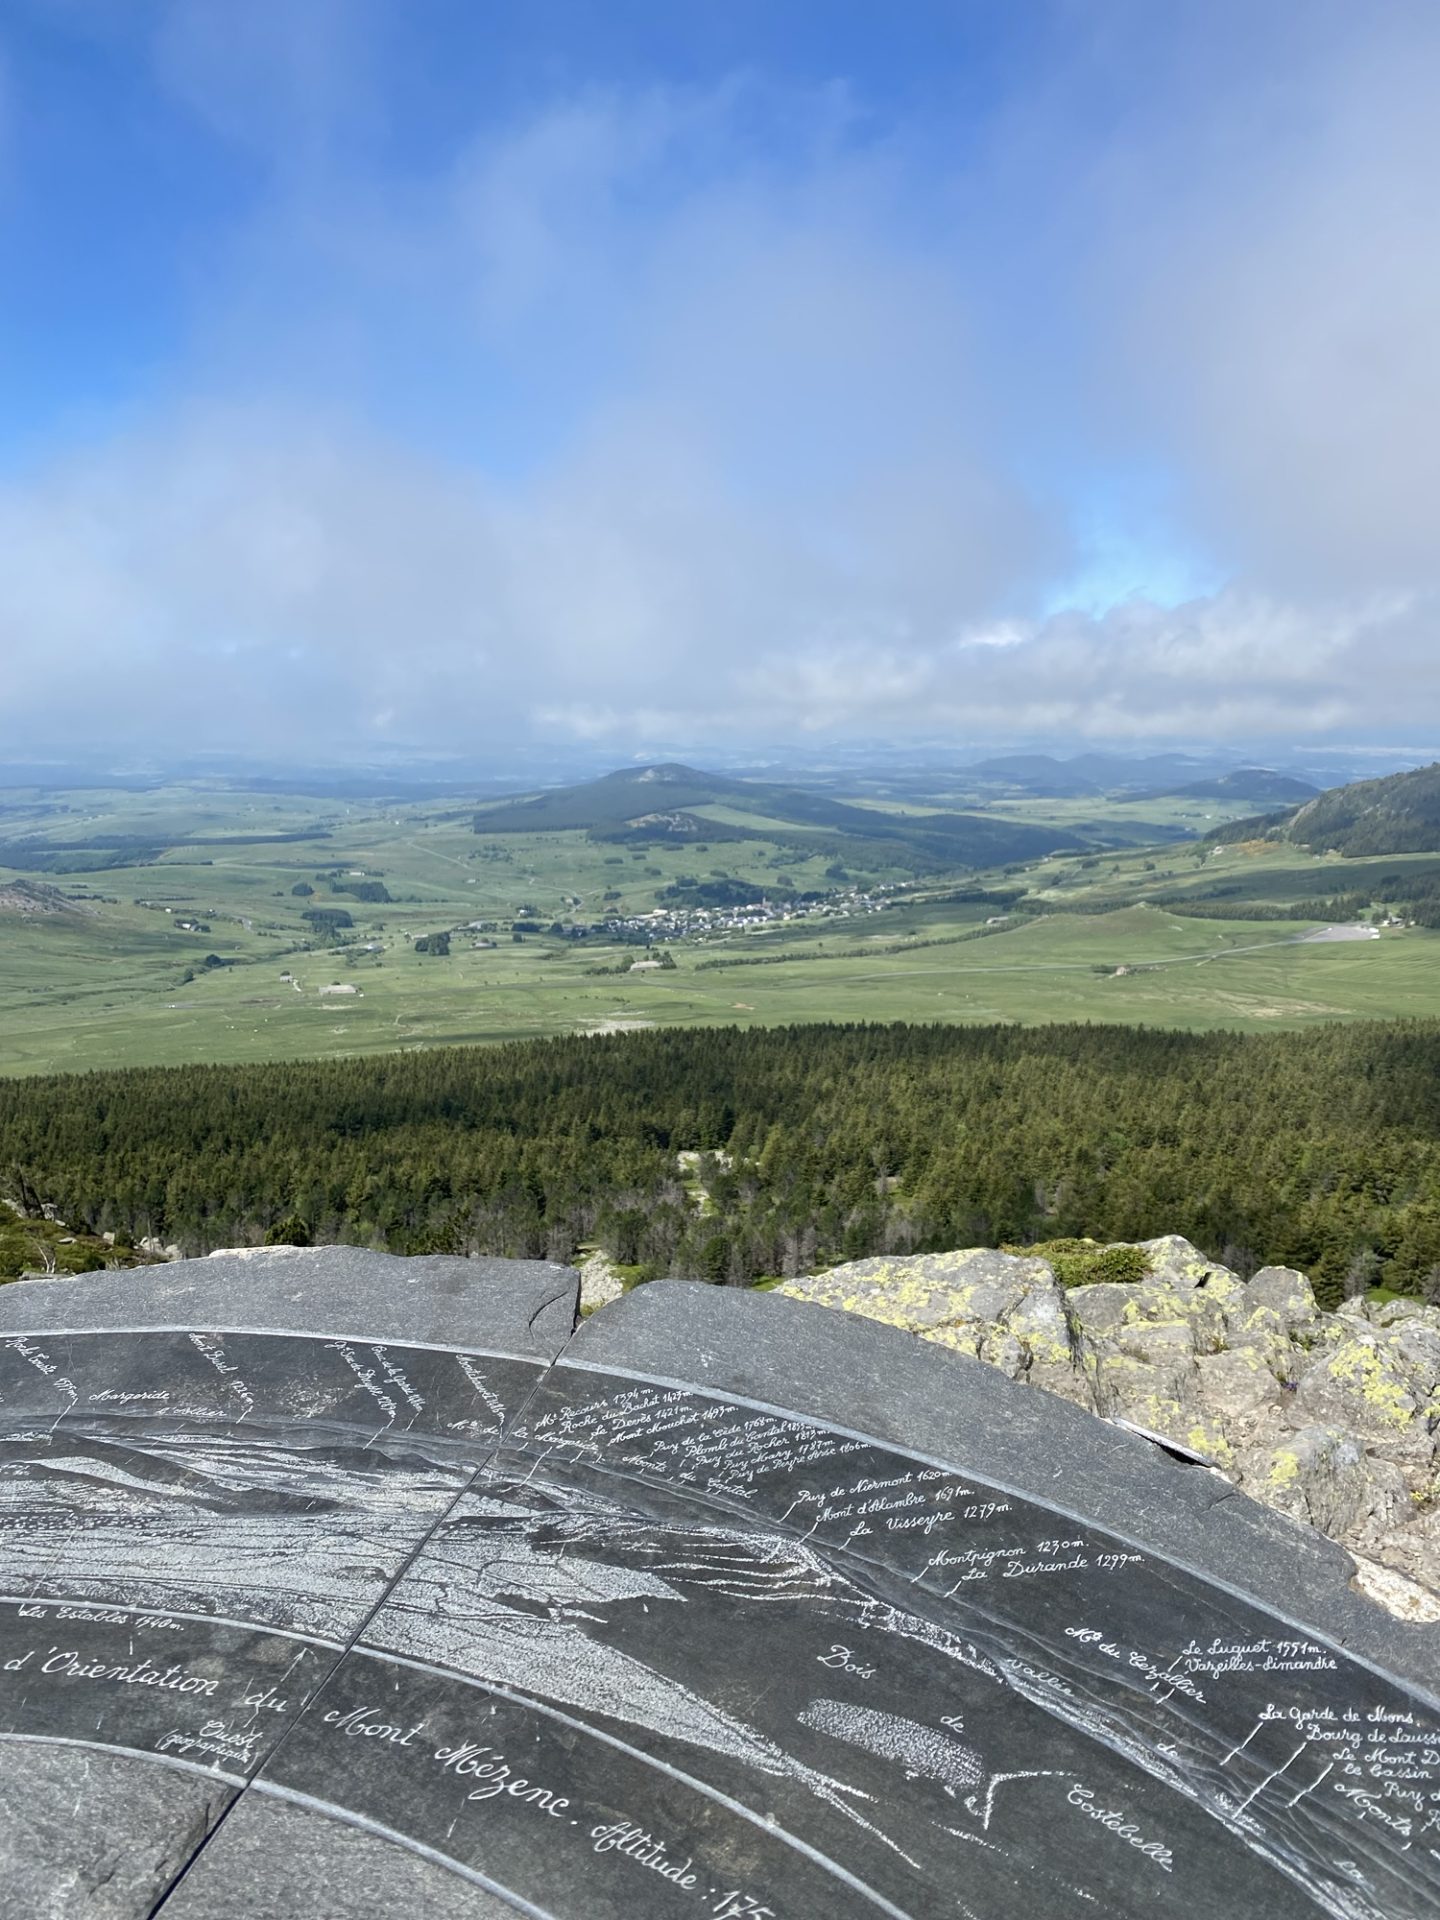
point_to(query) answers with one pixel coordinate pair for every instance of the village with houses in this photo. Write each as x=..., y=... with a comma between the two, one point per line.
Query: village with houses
x=678, y=920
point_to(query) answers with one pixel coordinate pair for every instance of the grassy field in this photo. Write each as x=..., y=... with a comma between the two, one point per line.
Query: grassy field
x=1125, y=822
x=112, y=979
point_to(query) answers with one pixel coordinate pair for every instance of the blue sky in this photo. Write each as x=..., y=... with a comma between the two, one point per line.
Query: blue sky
x=447, y=371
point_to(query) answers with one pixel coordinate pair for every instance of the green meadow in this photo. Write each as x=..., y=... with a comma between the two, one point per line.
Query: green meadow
x=96, y=970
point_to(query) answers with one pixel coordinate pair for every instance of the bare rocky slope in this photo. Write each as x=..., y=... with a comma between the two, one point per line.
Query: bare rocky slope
x=1332, y=1418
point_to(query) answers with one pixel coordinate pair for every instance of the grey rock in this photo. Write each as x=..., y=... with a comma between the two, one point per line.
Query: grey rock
x=1324, y=1476
x=1415, y=1340
x=1286, y=1294
x=1176, y=1262
x=1416, y=1311
x=1101, y=1309
x=1379, y=1382
x=86, y=1835
x=1356, y=1308
x=1148, y=1375
x=1006, y=1309
x=1168, y=1343
x=1005, y=1350
x=1414, y=1550
x=1388, y=1587
x=1237, y=1385
x=1203, y=1310
x=525, y=1307
x=272, y=1860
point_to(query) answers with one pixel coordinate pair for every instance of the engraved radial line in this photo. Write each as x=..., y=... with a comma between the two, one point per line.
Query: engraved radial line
x=1272, y=1776
x=324, y=1680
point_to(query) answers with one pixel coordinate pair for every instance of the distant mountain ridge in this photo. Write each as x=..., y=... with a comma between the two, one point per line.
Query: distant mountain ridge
x=1245, y=783
x=1156, y=776
x=1092, y=774
x=659, y=802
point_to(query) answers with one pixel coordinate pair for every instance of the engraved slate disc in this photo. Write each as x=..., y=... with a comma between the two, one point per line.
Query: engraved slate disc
x=336, y=1585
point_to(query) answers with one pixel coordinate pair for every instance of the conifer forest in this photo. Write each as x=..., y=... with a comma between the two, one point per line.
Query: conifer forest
x=731, y=1155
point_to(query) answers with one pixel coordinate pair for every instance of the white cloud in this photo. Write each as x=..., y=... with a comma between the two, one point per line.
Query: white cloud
x=778, y=448
x=1231, y=666
x=284, y=581
x=710, y=408
x=1267, y=290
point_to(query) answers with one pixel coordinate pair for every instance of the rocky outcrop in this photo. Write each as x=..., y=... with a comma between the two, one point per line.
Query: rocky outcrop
x=160, y=1249
x=599, y=1283
x=1333, y=1419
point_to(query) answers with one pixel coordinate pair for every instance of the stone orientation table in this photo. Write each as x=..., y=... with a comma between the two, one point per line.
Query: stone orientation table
x=333, y=1584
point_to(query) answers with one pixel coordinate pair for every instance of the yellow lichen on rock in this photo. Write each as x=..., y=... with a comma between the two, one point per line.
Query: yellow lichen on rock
x=1285, y=1467
x=1328, y=1417
x=1359, y=1364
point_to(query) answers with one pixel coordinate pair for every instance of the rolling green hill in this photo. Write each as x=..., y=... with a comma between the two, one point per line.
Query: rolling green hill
x=1259, y=784
x=611, y=801
x=658, y=803
x=1399, y=814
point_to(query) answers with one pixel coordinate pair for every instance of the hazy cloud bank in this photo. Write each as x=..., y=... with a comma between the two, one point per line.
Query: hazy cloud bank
x=741, y=406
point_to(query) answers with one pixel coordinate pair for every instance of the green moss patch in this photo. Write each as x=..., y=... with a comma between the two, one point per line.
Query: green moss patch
x=1085, y=1263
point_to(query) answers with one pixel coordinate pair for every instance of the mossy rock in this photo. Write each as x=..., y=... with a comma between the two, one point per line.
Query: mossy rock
x=29, y=1246
x=79, y=1259
x=1087, y=1263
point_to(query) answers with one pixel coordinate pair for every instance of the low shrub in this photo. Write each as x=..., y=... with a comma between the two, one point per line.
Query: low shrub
x=1084, y=1263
